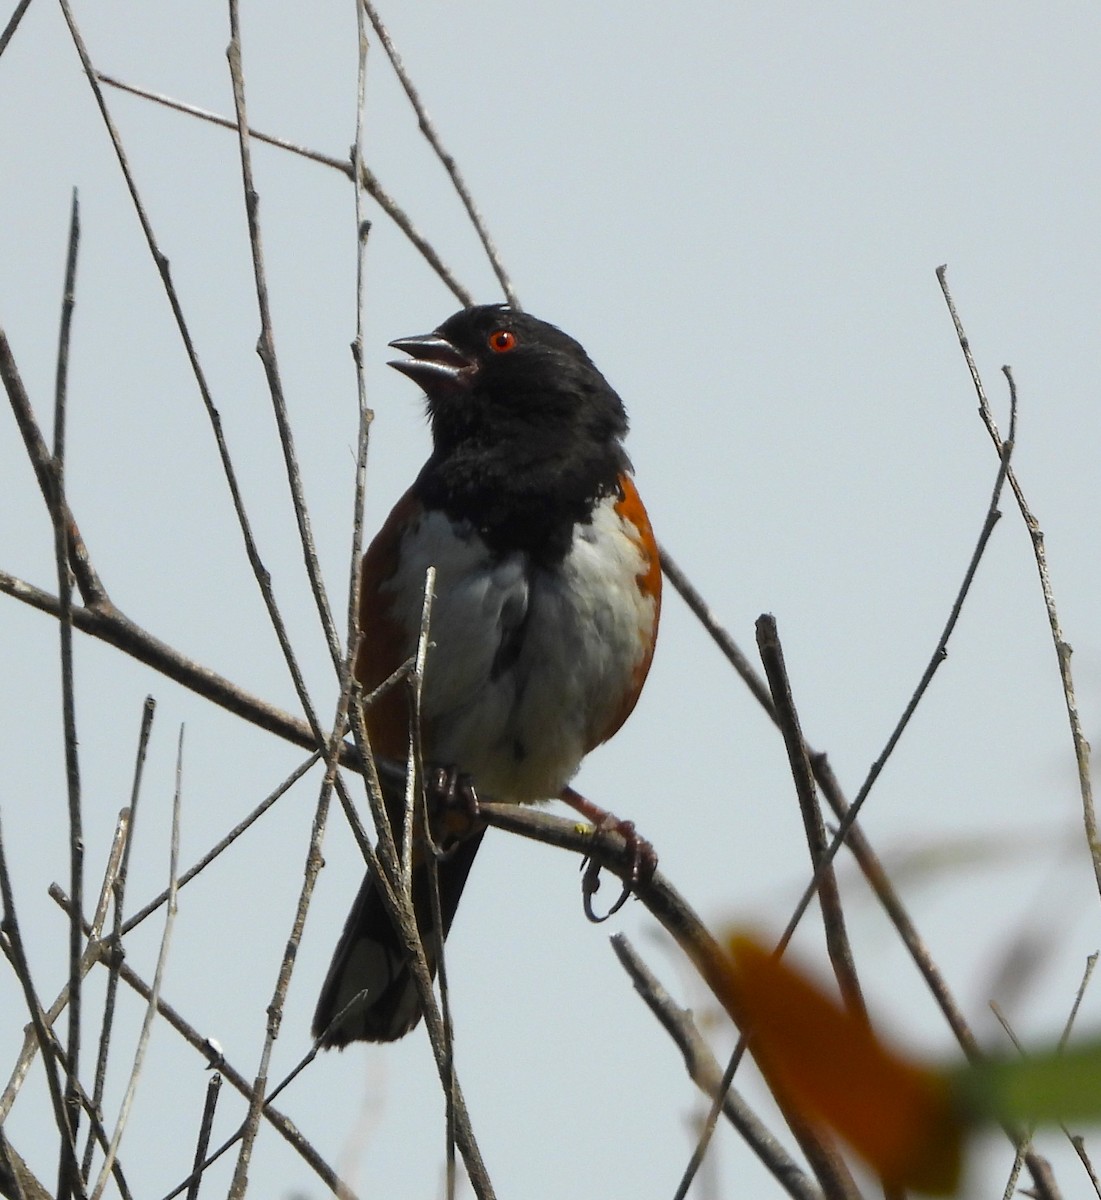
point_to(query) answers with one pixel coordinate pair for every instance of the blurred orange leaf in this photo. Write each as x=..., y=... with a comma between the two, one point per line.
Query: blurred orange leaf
x=828, y=1065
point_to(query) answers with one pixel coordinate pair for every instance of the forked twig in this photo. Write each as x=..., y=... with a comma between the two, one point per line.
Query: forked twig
x=1036, y=534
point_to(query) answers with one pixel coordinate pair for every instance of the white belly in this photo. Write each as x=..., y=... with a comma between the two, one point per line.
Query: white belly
x=527, y=668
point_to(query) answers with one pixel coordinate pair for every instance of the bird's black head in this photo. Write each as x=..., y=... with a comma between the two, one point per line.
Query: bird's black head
x=493, y=373
x=522, y=421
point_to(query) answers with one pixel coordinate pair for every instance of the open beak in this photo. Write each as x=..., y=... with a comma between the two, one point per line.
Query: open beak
x=433, y=363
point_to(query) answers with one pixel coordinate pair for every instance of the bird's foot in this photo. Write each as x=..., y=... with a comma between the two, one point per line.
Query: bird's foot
x=454, y=813
x=640, y=854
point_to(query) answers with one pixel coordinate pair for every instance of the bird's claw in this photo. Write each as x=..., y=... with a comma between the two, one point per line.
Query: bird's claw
x=644, y=862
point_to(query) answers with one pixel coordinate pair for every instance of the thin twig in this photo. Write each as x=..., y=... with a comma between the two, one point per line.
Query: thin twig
x=367, y=179
x=829, y=896
x=118, y=889
x=703, y=1070
x=213, y=1090
x=782, y=704
x=67, y=1167
x=13, y=24
x=448, y=161
x=1036, y=534
x=158, y=976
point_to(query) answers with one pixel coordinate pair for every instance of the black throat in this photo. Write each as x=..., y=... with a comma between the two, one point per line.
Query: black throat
x=522, y=502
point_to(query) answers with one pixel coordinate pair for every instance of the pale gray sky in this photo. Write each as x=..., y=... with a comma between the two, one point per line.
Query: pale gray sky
x=738, y=209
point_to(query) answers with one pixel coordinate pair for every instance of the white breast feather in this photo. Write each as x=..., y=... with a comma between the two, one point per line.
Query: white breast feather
x=521, y=736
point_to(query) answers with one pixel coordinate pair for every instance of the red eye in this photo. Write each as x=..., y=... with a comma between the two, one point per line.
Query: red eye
x=500, y=341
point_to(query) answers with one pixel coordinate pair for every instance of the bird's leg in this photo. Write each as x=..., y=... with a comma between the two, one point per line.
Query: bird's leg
x=453, y=810
x=644, y=859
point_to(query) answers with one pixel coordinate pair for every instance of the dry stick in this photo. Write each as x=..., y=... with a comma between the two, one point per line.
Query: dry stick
x=704, y=1071
x=260, y=572
x=837, y=940
x=1036, y=534
x=449, y=164
x=364, y=175
x=213, y=1090
x=206, y=1047
x=1010, y=1189
x=414, y=795
x=833, y=918
x=158, y=976
x=9, y=926
x=413, y=761
x=42, y=461
x=68, y=1167
x=118, y=888
x=265, y=347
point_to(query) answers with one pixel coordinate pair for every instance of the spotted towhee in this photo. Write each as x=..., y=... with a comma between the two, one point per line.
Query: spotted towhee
x=547, y=593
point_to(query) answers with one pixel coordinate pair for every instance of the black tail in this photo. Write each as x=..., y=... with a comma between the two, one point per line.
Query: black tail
x=370, y=961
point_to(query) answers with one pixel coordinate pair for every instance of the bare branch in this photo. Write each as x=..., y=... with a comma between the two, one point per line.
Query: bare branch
x=68, y=1169
x=213, y=1090
x=837, y=939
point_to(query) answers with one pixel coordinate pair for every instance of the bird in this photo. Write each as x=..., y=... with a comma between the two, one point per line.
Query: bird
x=544, y=618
